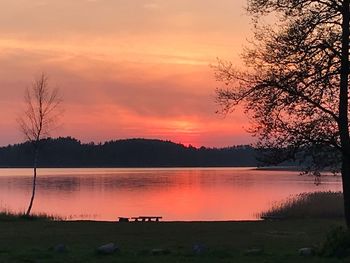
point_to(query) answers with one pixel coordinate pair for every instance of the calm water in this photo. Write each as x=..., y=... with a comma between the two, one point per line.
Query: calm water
x=175, y=194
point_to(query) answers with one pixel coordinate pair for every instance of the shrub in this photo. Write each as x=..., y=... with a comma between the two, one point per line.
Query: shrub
x=337, y=243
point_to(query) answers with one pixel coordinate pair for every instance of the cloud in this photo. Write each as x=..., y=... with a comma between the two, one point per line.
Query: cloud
x=40, y=3
x=109, y=99
x=151, y=6
x=124, y=70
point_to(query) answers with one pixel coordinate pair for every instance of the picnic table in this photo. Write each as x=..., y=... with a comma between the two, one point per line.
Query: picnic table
x=140, y=219
x=147, y=218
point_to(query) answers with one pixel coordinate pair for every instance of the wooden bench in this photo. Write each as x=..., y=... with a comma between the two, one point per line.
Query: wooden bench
x=123, y=219
x=147, y=218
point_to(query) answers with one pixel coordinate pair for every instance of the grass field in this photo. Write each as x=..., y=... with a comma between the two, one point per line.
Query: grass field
x=32, y=241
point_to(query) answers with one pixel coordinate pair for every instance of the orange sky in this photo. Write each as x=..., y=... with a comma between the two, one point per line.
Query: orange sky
x=125, y=68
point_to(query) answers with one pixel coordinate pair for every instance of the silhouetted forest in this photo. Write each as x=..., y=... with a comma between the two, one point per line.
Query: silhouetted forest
x=70, y=152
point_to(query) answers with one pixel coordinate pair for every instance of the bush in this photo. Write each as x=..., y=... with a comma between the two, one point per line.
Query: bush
x=337, y=243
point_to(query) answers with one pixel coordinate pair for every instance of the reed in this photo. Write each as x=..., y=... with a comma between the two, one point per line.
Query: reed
x=308, y=205
x=7, y=215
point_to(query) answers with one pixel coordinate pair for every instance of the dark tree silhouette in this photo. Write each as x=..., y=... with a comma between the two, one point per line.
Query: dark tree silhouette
x=38, y=119
x=69, y=152
x=296, y=84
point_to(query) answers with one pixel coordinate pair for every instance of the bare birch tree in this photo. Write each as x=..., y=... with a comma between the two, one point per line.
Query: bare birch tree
x=42, y=110
x=296, y=84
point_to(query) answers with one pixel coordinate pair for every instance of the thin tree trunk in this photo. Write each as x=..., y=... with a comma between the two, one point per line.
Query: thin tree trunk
x=36, y=153
x=343, y=122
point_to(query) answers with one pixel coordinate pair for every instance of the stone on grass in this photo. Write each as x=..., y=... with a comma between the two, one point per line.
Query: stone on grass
x=254, y=252
x=60, y=248
x=199, y=249
x=306, y=252
x=160, y=251
x=106, y=249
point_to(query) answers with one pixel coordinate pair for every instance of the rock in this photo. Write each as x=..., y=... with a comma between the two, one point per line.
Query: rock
x=160, y=251
x=199, y=249
x=254, y=252
x=123, y=219
x=60, y=248
x=106, y=249
x=306, y=252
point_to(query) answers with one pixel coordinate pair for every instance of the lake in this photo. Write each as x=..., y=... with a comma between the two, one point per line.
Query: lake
x=177, y=194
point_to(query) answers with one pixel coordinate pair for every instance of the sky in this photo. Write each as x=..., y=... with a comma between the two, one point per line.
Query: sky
x=125, y=68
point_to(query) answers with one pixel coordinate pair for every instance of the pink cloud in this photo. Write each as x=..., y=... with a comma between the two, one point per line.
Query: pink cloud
x=123, y=71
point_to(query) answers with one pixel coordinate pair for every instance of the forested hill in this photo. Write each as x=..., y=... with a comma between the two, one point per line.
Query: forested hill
x=69, y=152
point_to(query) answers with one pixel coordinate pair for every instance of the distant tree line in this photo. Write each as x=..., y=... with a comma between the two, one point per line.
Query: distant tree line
x=70, y=152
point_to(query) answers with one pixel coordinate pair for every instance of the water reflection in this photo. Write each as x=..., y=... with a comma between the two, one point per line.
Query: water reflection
x=175, y=194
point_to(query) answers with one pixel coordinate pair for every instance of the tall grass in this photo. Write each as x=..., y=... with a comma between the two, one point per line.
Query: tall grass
x=308, y=205
x=6, y=215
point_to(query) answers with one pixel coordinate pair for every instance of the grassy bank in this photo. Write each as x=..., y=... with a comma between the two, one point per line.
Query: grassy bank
x=32, y=241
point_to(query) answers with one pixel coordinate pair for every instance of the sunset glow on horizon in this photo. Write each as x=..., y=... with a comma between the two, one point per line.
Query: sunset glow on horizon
x=126, y=69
